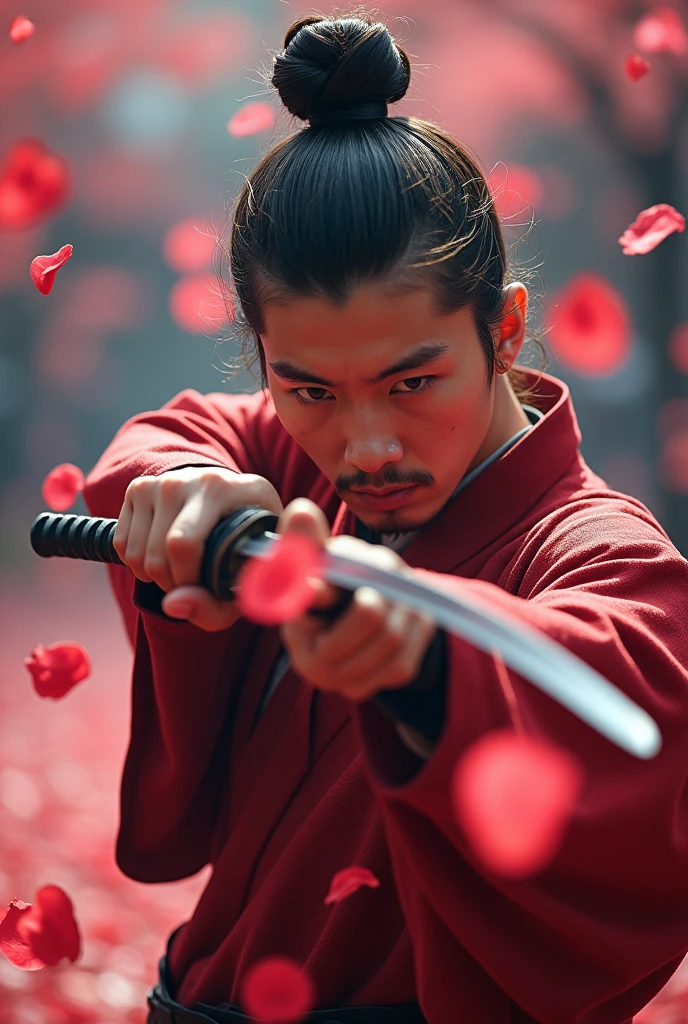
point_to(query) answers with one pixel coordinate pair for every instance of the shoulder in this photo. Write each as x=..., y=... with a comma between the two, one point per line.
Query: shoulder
x=601, y=532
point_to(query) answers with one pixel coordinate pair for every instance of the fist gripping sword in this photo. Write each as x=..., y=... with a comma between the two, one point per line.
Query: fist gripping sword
x=247, y=535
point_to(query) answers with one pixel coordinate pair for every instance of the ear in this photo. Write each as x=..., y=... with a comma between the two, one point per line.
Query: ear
x=513, y=325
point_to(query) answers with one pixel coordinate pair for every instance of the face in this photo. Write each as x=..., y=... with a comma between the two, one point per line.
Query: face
x=386, y=393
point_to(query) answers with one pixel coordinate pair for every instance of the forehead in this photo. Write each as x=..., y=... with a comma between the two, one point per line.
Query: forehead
x=371, y=325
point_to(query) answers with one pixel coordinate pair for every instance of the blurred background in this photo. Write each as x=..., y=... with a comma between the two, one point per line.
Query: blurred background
x=141, y=119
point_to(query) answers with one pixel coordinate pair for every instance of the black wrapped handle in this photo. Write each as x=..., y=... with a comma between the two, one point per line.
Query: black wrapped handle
x=54, y=534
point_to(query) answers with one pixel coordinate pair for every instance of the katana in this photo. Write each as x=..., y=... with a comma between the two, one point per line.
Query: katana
x=248, y=534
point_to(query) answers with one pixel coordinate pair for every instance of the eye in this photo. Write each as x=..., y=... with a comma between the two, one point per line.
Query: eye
x=316, y=399
x=416, y=389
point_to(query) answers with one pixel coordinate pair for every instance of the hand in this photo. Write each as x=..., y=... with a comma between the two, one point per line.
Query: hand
x=375, y=644
x=163, y=526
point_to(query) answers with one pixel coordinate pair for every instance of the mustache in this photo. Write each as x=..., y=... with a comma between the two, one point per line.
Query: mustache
x=360, y=481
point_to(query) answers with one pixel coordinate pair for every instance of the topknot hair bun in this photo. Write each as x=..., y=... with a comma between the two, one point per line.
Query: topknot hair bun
x=331, y=64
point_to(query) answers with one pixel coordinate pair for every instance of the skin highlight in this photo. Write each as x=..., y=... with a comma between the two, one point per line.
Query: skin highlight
x=429, y=426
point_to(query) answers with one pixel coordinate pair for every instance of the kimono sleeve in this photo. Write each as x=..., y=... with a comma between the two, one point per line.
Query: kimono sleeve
x=184, y=679
x=236, y=432
x=592, y=937
x=185, y=682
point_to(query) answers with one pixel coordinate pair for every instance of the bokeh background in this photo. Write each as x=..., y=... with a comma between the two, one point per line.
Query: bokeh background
x=158, y=109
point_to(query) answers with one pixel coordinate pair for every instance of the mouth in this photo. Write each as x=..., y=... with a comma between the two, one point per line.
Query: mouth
x=388, y=498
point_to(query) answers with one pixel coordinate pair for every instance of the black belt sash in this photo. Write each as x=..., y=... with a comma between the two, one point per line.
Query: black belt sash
x=162, y=1008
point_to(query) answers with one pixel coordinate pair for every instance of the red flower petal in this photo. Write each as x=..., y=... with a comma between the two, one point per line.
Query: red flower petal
x=57, y=668
x=651, y=227
x=278, y=588
x=21, y=29
x=196, y=305
x=636, y=66
x=42, y=934
x=349, y=880
x=513, y=796
x=661, y=31
x=44, y=268
x=33, y=184
x=589, y=326
x=275, y=989
x=188, y=246
x=678, y=348
x=514, y=190
x=61, y=486
x=251, y=119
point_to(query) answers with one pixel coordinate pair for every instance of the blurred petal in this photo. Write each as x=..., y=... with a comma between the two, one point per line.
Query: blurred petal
x=678, y=348
x=276, y=991
x=636, y=66
x=589, y=326
x=21, y=29
x=34, y=183
x=61, y=486
x=661, y=31
x=251, y=119
x=513, y=796
x=188, y=246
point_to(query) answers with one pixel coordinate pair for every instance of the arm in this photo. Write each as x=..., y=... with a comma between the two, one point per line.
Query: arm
x=184, y=678
x=594, y=936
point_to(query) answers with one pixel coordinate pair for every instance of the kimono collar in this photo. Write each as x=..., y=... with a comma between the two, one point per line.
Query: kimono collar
x=504, y=491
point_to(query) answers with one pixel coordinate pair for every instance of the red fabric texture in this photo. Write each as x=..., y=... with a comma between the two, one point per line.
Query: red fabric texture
x=279, y=803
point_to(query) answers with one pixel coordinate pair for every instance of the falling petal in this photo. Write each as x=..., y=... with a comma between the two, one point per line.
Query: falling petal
x=678, y=348
x=350, y=880
x=44, y=268
x=276, y=991
x=196, y=305
x=251, y=119
x=21, y=29
x=188, y=246
x=661, y=31
x=39, y=935
x=57, y=668
x=651, y=227
x=636, y=66
x=34, y=183
x=279, y=587
x=61, y=486
x=516, y=191
x=513, y=796
x=589, y=326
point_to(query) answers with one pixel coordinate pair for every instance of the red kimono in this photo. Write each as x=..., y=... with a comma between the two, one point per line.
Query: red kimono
x=278, y=802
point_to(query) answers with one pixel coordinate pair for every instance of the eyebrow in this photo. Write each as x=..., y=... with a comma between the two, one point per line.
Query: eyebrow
x=426, y=353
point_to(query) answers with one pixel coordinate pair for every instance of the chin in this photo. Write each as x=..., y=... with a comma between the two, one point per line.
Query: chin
x=396, y=521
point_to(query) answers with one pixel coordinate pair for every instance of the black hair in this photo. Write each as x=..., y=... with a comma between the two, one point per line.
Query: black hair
x=390, y=201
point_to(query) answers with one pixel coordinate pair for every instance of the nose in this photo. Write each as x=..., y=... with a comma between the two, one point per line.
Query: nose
x=368, y=452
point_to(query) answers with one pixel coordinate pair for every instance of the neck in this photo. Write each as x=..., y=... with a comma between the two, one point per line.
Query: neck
x=508, y=417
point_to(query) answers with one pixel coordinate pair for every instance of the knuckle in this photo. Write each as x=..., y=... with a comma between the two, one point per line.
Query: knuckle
x=140, y=485
x=180, y=542
x=153, y=564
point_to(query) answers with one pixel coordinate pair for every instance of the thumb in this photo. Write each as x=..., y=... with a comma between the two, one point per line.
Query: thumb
x=303, y=516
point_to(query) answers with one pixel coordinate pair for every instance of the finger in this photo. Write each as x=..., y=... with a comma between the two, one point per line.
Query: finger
x=137, y=542
x=189, y=531
x=121, y=534
x=316, y=648
x=369, y=658
x=157, y=561
x=399, y=669
x=207, y=612
x=303, y=516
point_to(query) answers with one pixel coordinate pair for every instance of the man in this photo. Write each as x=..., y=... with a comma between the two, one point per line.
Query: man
x=260, y=750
